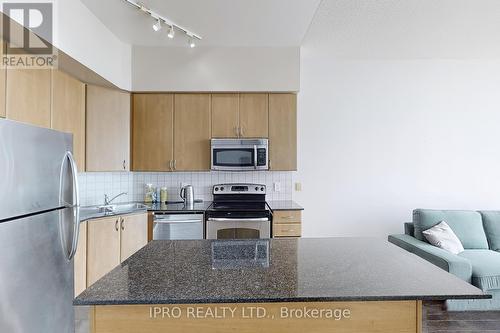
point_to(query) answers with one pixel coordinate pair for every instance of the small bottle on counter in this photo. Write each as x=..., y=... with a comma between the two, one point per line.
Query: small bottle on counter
x=148, y=193
x=163, y=195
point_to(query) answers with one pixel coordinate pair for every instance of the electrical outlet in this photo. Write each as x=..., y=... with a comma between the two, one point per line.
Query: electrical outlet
x=277, y=187
x=298, y=187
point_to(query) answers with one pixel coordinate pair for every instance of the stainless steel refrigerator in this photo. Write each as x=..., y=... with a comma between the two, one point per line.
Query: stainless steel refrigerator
x=38, y=229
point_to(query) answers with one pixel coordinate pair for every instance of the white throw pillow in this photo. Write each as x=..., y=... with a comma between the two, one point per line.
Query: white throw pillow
x=443, y=237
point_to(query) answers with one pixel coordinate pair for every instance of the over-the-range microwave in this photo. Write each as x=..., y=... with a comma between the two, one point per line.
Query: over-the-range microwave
x=240, y=154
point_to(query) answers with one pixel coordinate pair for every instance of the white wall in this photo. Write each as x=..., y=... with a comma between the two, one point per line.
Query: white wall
x=81, y=35
x=215, y=68
x=399, y=108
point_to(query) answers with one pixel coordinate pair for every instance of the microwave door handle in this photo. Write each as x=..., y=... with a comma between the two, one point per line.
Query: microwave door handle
x=255, y=156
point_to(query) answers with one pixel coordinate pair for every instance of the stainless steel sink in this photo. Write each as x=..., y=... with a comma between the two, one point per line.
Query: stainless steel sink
x=107, y=210
x=124, y=208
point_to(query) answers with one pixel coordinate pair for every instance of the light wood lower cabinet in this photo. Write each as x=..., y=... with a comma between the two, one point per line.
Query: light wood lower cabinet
x=103, y=247
x=110, y=241
x=152, y=132
x=327, y=317
x=287, y=223
x=134, y=234
x=283, y=132
x=192, y=132
x=108, y=129
x=28, y=95
x=254, y=114
x=68, y=112
x=80, y=260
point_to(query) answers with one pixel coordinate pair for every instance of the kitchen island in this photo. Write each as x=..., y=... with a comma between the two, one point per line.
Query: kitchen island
x=278, y=285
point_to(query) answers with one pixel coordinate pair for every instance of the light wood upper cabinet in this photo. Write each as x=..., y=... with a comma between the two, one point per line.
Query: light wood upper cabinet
x=103, y=247
x=68, y=112
x=134, y=234
x=254, y=114
x=28, y=96
x=225, y=115
x=192, y=132
x=108, y=130
x=152, y=132
x=283, y=132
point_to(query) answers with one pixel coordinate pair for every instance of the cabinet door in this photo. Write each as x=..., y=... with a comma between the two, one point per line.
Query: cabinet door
x=254, y=115
x=283, y=132
x=80, y=260
x=192, y=132
x=225, y=115
x=108, y=129
x=103, y=247
x=68, y=111
x=134, y=229
x=152, y=132
x=28, y=96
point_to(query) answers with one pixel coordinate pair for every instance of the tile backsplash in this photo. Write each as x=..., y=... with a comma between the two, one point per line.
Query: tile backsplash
x=93, y=185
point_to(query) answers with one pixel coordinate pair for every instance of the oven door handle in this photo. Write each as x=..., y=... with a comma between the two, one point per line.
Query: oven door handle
x=255, y=156
x=176, y=221
x=260, y=219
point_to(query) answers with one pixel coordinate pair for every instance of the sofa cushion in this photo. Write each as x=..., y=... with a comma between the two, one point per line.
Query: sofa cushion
x=467, y=225
x=491, y=223
x=485, y=268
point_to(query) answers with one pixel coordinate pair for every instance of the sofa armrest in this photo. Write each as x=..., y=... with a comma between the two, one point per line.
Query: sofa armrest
x=450, y=262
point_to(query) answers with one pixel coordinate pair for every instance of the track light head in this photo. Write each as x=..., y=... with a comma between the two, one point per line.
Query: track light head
x=171, y=32
x=157, y=26
x=192, y=44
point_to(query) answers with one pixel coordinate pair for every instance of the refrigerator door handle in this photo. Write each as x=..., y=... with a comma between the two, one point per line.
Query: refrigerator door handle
x=74, y=174
x=75, y=205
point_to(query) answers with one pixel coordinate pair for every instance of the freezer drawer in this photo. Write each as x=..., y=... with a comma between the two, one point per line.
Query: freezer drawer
x=177, y=226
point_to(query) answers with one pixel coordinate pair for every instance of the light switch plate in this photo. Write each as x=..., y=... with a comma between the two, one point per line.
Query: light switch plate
x=277, y=187
x=298, y=187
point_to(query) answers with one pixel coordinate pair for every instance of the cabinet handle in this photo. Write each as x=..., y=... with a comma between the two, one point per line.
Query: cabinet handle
x=242, y=133
x=124, y=165
x=116, y=225
x=236, y=130
x=175, y=165
x=288, y=217
x=121, y=224
x=170, y=165
x=269, y=163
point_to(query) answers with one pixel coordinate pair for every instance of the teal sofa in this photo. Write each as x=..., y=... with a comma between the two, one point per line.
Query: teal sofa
x=479, y=264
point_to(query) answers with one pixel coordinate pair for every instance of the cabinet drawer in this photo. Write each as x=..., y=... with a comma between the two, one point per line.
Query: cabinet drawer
x=287, y=216
x=287, y=230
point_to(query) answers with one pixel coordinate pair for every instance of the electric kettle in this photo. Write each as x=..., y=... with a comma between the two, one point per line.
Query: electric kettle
x=187, y=194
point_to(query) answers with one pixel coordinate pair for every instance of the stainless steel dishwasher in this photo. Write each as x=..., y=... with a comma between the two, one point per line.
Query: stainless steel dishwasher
x=168, y=226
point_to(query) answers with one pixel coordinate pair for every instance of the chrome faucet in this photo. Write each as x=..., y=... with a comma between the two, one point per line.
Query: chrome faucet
x=108, y=201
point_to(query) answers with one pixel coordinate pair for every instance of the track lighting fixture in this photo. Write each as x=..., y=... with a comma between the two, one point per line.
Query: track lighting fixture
x=171, y=32
x=157, y=26
x=163, y=20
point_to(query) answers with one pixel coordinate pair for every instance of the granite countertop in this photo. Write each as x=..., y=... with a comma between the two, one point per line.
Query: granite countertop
x=284, y=205
x=178, y=207
x=276, y=270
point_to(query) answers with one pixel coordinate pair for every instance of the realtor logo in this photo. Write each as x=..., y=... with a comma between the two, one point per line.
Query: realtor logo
x=28, y=34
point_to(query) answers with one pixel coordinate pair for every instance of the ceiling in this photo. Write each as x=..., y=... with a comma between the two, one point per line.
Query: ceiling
x=224, y=23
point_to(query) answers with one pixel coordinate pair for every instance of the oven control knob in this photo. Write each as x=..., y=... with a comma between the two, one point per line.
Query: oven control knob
x=262, y=189
x=216, y=189
x=222, y=188
x=256, y=188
